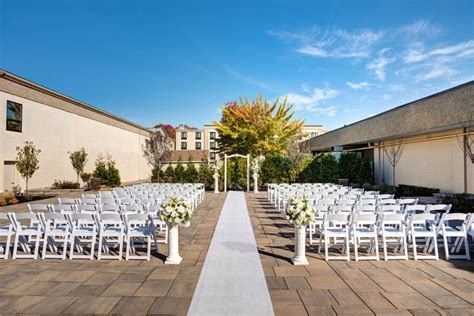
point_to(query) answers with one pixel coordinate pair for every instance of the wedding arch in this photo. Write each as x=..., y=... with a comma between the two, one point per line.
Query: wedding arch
x=225, y=169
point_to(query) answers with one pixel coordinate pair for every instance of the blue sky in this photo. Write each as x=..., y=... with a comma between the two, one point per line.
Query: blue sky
x=162, y=61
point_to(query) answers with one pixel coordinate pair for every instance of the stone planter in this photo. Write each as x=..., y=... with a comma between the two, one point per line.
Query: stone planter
x=300, y=246
x=216, y=183
x=255, y=183
x=173, y=245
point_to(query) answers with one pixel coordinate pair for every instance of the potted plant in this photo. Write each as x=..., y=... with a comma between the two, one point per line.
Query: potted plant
x=300, y=213
x=175, y=212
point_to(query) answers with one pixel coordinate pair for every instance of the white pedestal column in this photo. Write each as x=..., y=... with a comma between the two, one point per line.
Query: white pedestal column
x=255, y=183
x=216, y=183
x=173, y=245
x=300, y=246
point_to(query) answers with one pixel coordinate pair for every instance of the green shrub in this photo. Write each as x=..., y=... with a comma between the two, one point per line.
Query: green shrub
x=323, y=168
x=157, y=175
x=179, y=173
x=169, y=174
x=205, y=174
x=191, y=174
x=412, y=190
x=236, y=174
x=356, y=168
x=275, y=169
x=107, y=172
x=462, y=203
x=58, y=184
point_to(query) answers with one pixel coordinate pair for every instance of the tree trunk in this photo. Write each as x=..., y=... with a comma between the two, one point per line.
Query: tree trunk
x=393, y=176
x=26, y=187
x=77, y=178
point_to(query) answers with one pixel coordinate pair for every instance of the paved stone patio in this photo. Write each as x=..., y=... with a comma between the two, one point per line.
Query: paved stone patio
x=354, y=288
x=101, y=287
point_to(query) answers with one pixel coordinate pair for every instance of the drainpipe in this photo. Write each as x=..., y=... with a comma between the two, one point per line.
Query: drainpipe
x=465, y=140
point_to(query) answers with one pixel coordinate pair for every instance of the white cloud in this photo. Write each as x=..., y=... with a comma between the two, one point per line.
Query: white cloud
x=311, y=100
x=378, y=65
x=246, y=79
x=359, y=85
x=436, y=72
x=420, y=28
x=336, y=43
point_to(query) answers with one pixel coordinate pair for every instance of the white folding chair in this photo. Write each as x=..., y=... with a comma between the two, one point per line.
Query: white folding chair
x=111, y=231
x=364, y=230
x=62, y=208
x=26, y=236
x=388, y=202
x=385, y=196
x=460, y=231
x=89, y=196
x=423, y=226
x=390, y=209
x=132, y=209
x=56, y=233
x=366, y=209
x=88, y=201
x=411, y=209
x=335, y=226
x=39, y=208
x=159, y=226
x=111, y=209
x=393, y=230
x=70, y=201
x=408, y=201
x=6, y=232
x=86, y=208
x=83, y=232
x=368, y=201
x=137, y=226
x=107, y=201
x=438, y=208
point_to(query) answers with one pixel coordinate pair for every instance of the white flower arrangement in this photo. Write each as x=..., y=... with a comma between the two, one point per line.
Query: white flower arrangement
x=216, y=167
x=255, y=165
x=299, y=211
x=175, y=210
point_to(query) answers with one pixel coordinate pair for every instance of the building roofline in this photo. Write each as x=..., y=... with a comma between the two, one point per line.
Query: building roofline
x=35, y=86
x=403, y=105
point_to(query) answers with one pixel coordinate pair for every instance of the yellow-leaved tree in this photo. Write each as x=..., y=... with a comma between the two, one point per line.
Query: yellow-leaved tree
x=257, y=127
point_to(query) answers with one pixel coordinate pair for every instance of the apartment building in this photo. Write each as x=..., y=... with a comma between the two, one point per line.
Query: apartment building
x=192, y=139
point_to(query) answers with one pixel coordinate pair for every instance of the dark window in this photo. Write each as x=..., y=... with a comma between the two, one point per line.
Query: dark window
x=213, y=135
x=213, y=145
x=184, y=145
x=198, y=145
x=14, y=116
x=184, y=135
x=314, y=134
x=198, y=135
x=212, y=156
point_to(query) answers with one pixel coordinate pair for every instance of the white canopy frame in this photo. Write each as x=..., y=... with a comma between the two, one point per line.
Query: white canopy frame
x=225, y=169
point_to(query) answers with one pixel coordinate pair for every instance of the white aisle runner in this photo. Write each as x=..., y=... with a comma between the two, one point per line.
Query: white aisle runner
x=232, y=280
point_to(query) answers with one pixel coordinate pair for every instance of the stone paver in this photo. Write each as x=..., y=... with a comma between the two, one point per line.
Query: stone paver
x=111, y=286
x=354, y=288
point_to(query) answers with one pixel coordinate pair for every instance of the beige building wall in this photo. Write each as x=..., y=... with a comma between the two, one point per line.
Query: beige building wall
x=433, y=160
x=190, y=139
x=56, y=132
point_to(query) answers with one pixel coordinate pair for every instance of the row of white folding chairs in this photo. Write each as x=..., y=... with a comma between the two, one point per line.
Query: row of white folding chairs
x=396, y=229
x=72, y=231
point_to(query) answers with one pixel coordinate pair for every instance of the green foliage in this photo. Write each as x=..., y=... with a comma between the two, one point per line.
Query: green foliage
x=58, y=184
x=323, y=168
x=257, y=127
x=191, y=174
x=462, y=203
x=157, y=175
x=412, y=190
x=179, y=173
x=169, y=173
x=105, y=170
x=236, y=174
x=275, y=169
x=356, y=168
x=78, y=160
x=27, y=161
x=205, y=174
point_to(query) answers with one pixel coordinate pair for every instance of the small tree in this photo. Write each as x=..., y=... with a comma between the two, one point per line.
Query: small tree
x=179, y=172
x=191, y=173
x=275, y=169
x=78, y=160
x=105, y=170
x=156, y=151
x=297, y=159
x=205, y=174
x=169, y=173
x=394, y=152
x=27, y=162
x=466, y=141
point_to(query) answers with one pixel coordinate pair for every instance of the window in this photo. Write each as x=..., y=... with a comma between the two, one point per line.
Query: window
x=212, y=156
x=213, y=135
x=213, y=145
x=184, y=135
x=198, y=135
x=184, y=145
x=198, y=145
x=314, y=134
x=14, y=116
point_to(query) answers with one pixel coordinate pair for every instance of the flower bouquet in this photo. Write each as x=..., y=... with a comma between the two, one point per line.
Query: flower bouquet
x=175, y=211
